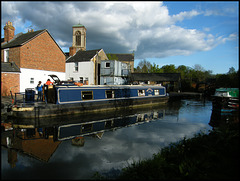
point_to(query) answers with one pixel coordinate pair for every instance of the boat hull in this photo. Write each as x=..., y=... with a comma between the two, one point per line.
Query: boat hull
x=54, y=110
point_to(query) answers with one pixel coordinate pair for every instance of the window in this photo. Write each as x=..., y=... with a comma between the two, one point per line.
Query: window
x=109, y=94
x=86, y=128
x=81, y=79
x=156, y=92
x=107, y=65
x=141, y=92
x=76, y=67
x=87, y=95
x=31, y=80
x=78, y=38
x=6, y=55
x=109, y=124
x=86, y=81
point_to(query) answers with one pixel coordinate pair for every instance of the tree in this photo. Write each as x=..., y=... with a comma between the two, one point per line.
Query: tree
x=231, y=70
x=155, y=69
x=144, y=66
x=169, y=68
x=112, y=56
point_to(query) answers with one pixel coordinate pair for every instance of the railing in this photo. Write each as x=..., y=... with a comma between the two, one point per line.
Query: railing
x=23, y=100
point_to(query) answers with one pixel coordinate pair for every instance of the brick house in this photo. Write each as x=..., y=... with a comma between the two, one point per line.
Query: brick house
x=35, y=53
x=10, y=78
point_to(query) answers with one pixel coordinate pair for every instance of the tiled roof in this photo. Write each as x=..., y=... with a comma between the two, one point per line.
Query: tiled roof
x=83, y=56
x=20, y=40
x=123, y=57
x=9, y=67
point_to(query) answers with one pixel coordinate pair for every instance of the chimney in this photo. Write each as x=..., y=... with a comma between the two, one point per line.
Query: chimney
x=72, y=51
x=8, y=31
x=31, y=30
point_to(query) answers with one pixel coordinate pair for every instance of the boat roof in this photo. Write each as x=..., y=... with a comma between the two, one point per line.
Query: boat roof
x=232, y=91
x=116, y=86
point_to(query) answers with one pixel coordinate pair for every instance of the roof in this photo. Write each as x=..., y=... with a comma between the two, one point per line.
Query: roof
x=83, y=56
x=22, y=39
x=9, y=67
x=123, y=57
x=165, y=77
x=78, y=25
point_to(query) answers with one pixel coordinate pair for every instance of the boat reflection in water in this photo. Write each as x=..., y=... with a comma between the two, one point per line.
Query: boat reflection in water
x=219, y=118
x=41, y=138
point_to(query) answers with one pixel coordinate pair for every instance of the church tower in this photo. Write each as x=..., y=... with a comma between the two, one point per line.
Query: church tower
x=79, y=39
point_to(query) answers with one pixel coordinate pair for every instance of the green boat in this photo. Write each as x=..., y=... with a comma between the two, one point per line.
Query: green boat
x=226, y=99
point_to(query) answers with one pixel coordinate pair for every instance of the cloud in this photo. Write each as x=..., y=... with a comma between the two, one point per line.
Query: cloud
x=117, y=27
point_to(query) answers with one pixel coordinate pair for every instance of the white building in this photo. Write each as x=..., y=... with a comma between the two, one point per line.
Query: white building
x=83, y=65
x=113, y=72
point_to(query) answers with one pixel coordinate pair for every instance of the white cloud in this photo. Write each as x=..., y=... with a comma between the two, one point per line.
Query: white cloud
x=117, y=27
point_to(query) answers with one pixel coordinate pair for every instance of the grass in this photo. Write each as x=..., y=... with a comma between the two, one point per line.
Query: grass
x=205, y=156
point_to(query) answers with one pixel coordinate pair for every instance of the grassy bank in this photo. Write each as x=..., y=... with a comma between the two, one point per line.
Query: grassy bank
x=205, y=156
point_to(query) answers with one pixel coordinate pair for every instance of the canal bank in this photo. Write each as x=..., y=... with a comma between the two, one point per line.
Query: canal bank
x=205, y=156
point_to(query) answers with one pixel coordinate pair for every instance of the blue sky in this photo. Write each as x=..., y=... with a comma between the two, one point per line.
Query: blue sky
x=168, y=32
x=223, y=19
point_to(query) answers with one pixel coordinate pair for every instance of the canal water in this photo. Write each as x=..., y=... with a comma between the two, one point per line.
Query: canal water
x=77, y=148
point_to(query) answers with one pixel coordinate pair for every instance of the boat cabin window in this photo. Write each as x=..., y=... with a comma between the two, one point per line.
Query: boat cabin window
x=87, y=95
x=86, y=128
x=109, y=94
x=108, y=124
x=156, y=92
x=141, y=92
x=81, y=79
x=222, y=94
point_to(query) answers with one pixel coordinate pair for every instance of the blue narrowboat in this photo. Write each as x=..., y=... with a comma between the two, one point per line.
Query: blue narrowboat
x=78, y=94
x=67, y=99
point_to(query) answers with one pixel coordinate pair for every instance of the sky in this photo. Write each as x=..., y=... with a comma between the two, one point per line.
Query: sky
x=162, y=32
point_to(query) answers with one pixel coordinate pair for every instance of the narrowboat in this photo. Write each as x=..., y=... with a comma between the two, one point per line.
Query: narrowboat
x=65, y=99
x=226, y=100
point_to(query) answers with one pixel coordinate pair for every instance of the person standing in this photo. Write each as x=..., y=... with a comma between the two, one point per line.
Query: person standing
x=49, y=82
x=46, y=89
x=40, y=91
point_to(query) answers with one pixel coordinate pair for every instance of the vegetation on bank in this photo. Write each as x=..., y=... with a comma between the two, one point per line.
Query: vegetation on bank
x=212, y=156
x=193, y=76
x=205, y=156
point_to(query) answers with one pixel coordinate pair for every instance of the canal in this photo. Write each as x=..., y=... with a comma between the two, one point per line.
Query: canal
x=78, y=147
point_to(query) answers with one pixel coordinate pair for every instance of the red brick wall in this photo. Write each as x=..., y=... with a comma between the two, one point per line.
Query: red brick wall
x=14, y=55
x=9, y=80
x=42, y=53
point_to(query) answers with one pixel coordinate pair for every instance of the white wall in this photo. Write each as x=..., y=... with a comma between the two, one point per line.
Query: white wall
x=85, y=69
x=37, y=75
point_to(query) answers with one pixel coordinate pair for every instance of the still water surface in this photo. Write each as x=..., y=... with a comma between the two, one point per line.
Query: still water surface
x=31, y=158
